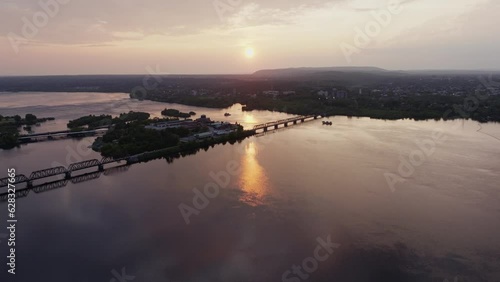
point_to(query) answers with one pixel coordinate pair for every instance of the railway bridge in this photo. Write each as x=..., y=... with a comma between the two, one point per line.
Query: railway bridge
x=60, y=170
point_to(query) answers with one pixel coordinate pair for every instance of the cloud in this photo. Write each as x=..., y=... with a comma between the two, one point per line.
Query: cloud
x=100, y=21
x=283, y=32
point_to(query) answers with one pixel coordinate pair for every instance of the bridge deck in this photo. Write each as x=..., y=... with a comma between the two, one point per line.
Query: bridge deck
x=283, y=121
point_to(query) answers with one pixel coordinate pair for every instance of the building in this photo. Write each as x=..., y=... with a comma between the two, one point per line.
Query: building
x=204, y=135
x=323, y=93
x=271, y=93
x=203, y=119
x=341, y=95
x=172, y=124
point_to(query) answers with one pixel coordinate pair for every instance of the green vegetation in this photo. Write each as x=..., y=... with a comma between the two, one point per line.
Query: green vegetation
x=184, y=149
x=133, y=116
x=128, y=138
x=90, y=122
x=417, y=107
x=10, y=126
x=93, y=122
x=176, y=113
x=30, y=119
x=133, y=139
x=371, y=92
x=8, y=137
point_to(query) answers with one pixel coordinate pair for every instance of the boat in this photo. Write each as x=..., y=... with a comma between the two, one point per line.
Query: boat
x=227, y=114
x=327, y=123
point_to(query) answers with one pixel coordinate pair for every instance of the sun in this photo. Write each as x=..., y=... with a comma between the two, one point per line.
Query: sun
x=249, y=52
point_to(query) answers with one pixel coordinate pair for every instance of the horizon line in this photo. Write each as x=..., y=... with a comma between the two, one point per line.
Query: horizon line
x=266, y=69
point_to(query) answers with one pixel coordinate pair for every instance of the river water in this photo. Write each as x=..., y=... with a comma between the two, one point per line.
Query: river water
x=399, y=201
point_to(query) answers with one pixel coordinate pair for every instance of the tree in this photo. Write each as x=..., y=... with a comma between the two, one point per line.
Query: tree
x=30, y=119
x=8, y=141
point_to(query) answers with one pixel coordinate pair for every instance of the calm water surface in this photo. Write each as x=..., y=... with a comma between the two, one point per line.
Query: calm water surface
x=292, y=187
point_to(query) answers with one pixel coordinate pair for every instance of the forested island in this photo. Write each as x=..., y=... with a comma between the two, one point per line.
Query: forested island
x=134, y=133
x=94, y=122
x=10, y=127
x=176, y=113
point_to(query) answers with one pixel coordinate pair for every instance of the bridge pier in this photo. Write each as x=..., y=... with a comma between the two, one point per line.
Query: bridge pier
x=303, y=120
x=286, y=124
x=100, y=167
x=294, y=122
x=276, y=126
x=67, y=174
x=265, y=129
x=29, y=184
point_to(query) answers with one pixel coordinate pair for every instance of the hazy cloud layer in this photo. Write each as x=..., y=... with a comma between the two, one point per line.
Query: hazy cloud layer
x=193, y=36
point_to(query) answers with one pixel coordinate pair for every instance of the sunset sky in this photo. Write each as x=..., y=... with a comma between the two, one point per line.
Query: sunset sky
x=242, y=36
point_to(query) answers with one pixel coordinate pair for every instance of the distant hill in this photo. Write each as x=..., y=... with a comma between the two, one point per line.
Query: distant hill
x=289, y=72
x=453, y=72
x=288, y=78
x=347, y=76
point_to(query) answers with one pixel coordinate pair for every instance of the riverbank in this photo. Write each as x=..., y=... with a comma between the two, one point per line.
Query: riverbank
x=191, y=148
x=421, y=107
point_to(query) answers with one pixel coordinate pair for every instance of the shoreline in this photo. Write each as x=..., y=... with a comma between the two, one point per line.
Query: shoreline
x=333, y=111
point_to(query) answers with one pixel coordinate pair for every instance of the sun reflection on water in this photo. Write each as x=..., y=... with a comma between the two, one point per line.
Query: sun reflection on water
x=249, y=119
x=253, y=179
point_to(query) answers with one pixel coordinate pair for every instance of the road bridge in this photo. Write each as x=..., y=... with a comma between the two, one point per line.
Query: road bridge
x=286, y=122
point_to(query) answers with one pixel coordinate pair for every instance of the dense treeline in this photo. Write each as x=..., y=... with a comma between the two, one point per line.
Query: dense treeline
x=176, y=113
x=418, y=107
x=10, y=125
x=92, y=121
x=133, y=138
x=128, y=136
x=186, y=149
x=126, y=139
